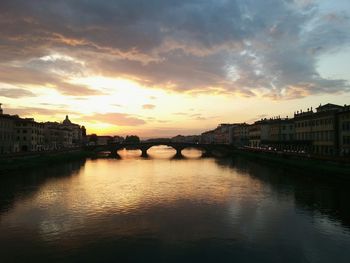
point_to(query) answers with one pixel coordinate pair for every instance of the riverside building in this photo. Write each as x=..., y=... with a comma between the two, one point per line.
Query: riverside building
x=280, y=134
x=7, y=137
x=240, y=135
x=344, y=131
x=259, y=133
x=26, y=135
x=318, y=130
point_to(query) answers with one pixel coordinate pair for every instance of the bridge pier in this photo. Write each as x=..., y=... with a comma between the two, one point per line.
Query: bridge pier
x=144, y=152
x=114, y=153
x=178, y=151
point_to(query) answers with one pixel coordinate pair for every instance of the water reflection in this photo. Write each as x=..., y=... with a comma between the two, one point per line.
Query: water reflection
x=21, y=184
x=160, y=152
x=165, y=209
x=316, y=194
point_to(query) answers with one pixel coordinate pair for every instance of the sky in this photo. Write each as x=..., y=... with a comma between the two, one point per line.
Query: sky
x=158, y=68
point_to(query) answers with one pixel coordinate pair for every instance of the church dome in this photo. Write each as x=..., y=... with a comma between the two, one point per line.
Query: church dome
x=67, y=121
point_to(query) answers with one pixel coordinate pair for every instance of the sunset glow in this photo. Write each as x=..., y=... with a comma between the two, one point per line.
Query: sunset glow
x=171, y=69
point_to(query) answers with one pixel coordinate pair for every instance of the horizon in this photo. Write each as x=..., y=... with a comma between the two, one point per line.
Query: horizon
x=262, y=117
x=164, y=68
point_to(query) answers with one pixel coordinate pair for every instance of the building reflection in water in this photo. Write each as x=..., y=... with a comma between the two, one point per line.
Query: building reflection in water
x=22, y=184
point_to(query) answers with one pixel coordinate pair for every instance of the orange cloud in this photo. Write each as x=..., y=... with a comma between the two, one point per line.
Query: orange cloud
x=118, y=119
x=148, y=106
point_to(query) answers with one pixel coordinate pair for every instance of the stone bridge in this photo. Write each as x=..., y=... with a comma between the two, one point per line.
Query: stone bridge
x=207, y=149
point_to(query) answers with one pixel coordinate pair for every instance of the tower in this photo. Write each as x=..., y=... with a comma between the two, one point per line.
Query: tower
x=1, y=111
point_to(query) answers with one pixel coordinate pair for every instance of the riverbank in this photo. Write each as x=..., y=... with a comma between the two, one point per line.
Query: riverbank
x=42, y=159
x=321, y=166
x=327, y=167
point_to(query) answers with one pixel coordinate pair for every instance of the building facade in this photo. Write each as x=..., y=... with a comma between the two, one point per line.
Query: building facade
x=29, y=135
x=240, y=135
x=26, y=135
x=258, y=133
x=77, y=131
x=207, y=137
x=344, y=131
x=319, y=131
x=7, y=135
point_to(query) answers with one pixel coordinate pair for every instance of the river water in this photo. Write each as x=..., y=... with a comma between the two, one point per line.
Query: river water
x=165, y=209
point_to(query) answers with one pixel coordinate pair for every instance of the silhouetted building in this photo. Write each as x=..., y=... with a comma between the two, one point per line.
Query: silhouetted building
x=77, y=131
x=26, y=135
x=207, y=137
x=29, y=135
x=344, y=131
x=57, y=136
x=186, y=139
x=93, y=139
x=8, y=143
x=117, y=139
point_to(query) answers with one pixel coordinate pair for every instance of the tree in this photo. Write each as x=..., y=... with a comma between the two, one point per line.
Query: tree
x=132, y=139
x=93, y=138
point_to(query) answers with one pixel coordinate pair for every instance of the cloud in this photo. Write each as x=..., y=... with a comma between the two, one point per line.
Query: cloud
x=148, y=106
x=119, y=119
x=15, y=93
x=181, y=113
x=35, y=77
x=267, y=48
x=167, y=132
x=34, y=111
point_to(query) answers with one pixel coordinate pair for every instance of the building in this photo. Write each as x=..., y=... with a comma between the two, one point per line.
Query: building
x=26, y=135
x=20, y=134
x=281, y=130
x=29, y=135
x=186, y=139
x=7, y=133
x=280, y=134
x=220, y=135
x=344, y=131
x=57, y=136
x=239, y=135
x=207, y=137
x=319, y=131
x=104, y=140
x=258, y=133
x=77, y=131
x=51, y=134
x=117, y=139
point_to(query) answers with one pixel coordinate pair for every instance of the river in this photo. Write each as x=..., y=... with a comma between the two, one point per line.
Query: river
x=165, y=209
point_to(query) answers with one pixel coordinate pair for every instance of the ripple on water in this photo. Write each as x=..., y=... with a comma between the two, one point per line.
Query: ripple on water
x=182, y=209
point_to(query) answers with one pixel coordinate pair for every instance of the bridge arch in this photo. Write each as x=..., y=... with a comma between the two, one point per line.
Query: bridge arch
x=144, y=148
x=178, y=147
x=206, y=149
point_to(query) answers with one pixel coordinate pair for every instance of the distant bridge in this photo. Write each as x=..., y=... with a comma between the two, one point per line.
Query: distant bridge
x=207, y=149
